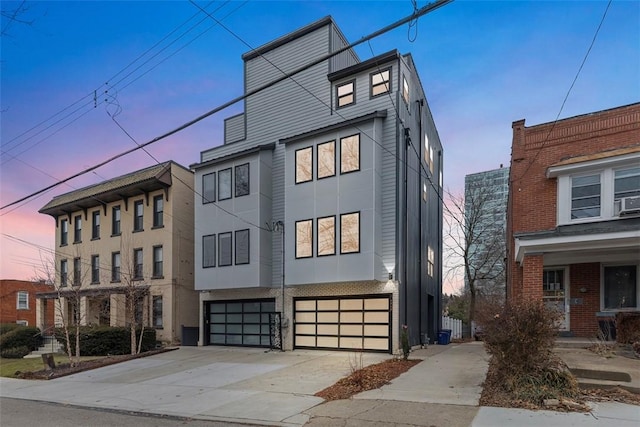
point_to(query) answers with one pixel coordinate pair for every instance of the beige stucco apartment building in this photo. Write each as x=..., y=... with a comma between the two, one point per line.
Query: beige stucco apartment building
x=131, y=235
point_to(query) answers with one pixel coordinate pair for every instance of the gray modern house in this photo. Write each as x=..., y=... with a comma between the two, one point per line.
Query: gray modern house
x=486, y=194
x=321, y=213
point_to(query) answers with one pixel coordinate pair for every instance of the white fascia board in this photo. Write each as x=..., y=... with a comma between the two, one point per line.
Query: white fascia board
x=625, y=239
x=598, y=164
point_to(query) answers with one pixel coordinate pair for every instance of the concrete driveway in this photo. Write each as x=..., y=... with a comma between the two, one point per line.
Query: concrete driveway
x=221, y=383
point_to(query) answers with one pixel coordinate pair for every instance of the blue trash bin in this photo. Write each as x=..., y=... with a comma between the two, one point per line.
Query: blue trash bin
x=448, y=331
x=443, y=338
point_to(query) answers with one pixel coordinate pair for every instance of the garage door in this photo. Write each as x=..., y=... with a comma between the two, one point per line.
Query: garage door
x=344, y=323
x=240, y=322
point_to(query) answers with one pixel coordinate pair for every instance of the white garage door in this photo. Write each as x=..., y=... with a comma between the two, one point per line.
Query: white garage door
x=346, y=323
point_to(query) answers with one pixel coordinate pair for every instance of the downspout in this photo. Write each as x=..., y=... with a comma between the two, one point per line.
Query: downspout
x=421, y=247
x=407, y=141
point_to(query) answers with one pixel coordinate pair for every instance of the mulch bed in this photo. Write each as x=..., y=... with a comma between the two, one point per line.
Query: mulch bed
x=368, y=378
x=64, y=369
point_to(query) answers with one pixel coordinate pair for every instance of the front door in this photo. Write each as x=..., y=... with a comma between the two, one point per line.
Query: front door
x=555, y=294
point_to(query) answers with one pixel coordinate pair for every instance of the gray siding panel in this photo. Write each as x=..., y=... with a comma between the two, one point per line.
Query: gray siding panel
x=344, y=59
x=234, y=129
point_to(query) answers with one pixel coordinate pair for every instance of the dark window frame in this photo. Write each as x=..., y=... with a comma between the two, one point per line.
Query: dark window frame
x=77, y=229
x=95, y=269
x=64, y=232
x=335, y=149
x=230, y=171
x=309, y=220
x=64, y=273
x=156, y=312
x=206, y=190
x=352, y=93
x=248, y=247
x=138, y=267
x=158, y=265
x=406, y=97
x=158, y=211
x=138, y=216
x=209, y=237
x=220, y=237
x=235, y=172
x=295, y=165
x=95, y=225
x=359, y=154
x=116, y=267
x=116, y=221
x=359, y=232
x=77, y=271
x=388, y=82
x=334, y=236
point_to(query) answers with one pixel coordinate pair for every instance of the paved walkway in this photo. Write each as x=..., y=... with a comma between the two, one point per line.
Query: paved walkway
x=275, y=388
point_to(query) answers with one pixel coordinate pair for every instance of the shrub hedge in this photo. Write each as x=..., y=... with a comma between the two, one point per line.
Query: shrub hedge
x=106, y=340
x=627, y=327
x=23, y=336
x=8, y=327
x=14, y=352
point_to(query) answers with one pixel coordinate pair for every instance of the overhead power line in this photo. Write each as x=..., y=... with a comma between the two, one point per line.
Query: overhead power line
x=418, y=13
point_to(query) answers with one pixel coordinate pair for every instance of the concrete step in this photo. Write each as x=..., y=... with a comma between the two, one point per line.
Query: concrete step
x=572, y=342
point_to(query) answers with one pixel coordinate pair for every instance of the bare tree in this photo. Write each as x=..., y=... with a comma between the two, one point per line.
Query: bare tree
x=476, y=245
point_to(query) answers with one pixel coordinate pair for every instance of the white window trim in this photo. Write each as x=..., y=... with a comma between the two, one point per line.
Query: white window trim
x=18, y=300
x=619, y=264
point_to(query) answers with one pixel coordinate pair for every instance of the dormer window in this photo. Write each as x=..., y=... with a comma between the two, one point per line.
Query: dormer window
x=345, y=94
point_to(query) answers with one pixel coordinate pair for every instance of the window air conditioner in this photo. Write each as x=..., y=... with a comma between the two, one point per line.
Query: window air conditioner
x=630, y=205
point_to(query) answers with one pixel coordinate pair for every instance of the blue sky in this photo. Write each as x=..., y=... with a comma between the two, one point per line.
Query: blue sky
x=483, y=65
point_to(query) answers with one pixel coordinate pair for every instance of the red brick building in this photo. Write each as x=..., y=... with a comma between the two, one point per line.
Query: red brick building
x=18, y=303
x=574, y=216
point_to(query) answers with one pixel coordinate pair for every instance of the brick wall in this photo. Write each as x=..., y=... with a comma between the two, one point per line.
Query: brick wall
x=586, y=277
x=9, y=312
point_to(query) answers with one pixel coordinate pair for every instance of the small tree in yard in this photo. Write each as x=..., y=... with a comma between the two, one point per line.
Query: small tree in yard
x=476, y=248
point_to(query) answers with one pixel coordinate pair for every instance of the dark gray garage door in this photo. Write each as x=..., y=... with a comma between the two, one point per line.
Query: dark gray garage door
x=240, y=322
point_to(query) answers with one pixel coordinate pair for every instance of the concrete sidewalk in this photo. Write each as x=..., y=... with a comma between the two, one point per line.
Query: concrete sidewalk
x=274, y=388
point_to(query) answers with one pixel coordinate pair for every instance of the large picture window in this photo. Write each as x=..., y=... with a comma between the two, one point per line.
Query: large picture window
x=242, y=247
x=304, y=238
x=209, y=188
x=224, y=184
x=224, y=249
x=242, y=180
x=326, y=159
x=304, y=165
x=326, y=236
x=345, y=94
x=350, y=153
x=350, y=233
x=209, y=251
x=585, y=196
x=620, y=287
x=380, y=82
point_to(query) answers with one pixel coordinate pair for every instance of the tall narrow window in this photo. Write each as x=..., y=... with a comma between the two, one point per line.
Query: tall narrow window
x=115, y=221
x=209, y=251
x=95, y=225
x=242, y=180
x=157, y=261
x=585, y=196
x=304, y=238
x=158, y=211
x=77, y=272
x=242, y=247
x=64, y=272
x=209, y=188
x=350, y=153
x=64, y=232
x=405, y=90
x=22, y=300
x=115, y=267
x=157, y=311
x=426, y=150
x=350, y=233
x=224, y=246
x=304, y=165
x=431, y=258
x=425, y=191
x=77, y=229
x=137, y=264
x=95, y=269
x=138, y=218
x=224, y=184
x=326, y=159
x=380, y=82
x=326, y=236
x=345, y=94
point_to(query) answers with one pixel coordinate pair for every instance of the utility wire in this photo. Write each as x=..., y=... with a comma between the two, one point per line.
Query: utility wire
x=422, y=11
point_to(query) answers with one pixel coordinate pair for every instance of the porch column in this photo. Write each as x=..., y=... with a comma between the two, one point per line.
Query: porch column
x=84, y=310
x=117, y=310
x=41, y=314
x=61, y=311
x=532, y=271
